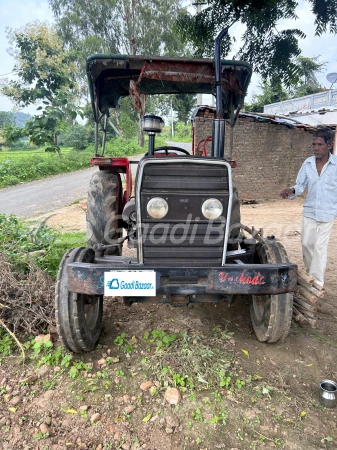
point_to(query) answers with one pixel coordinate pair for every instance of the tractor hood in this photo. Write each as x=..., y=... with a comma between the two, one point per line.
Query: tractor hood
x=114, y=76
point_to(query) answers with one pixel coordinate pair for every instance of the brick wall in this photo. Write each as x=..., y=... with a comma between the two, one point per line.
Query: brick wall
x=268, y=155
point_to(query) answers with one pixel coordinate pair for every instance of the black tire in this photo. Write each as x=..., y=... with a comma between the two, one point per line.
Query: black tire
x=79, y=317
x=271, y=314
x=103, y=208
x=235, y=231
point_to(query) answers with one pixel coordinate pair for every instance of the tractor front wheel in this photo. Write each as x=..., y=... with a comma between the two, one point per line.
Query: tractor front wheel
x=103, y=207
x=271, y=314
x=79, y=317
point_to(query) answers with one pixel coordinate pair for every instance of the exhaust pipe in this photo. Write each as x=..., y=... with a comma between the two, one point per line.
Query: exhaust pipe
x=218, y=141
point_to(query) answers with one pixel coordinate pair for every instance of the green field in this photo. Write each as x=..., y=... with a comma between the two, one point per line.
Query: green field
x=20, y=166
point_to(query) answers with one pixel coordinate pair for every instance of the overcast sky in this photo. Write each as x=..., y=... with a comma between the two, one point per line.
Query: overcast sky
x=17, y=13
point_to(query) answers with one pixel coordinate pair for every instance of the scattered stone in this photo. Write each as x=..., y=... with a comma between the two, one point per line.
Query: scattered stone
x=95, y=417
x=126, y=446
x=48, y=420
x=45, y=400
x=115, y=359
x=15, y=400
x=129, y=409
x=172, y=396
x=169, y=430
x=126, y=398
x=99, y=447
x=146, y=385
x=101, y=362
x=9, y=389
x=43, y=338
x=172, y=422
x=112, y=428
x=84, y=408
x=117, y=436
x=156, y=383
x=43, y=370
x=30, y=379
x=57, y=369
x=44, y=428
x=154, y=418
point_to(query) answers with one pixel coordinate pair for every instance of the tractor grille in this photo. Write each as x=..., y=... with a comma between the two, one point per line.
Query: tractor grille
x=183, y=238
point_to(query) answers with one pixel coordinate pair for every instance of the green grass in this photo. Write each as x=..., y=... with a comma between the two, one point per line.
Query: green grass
x=28, y=165
x=182, y=133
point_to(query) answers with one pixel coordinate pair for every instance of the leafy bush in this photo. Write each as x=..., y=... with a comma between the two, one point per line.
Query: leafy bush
x=20, y=241
x=77, y=137
x=182, y=133
x=123, y=148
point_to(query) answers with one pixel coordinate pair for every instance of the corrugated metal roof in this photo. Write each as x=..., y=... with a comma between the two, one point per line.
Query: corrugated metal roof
x=209, y=111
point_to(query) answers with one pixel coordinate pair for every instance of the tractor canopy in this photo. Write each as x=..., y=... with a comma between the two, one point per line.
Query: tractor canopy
x=114, y=76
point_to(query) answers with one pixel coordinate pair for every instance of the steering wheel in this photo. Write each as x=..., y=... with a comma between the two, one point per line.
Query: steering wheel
x=169, y=147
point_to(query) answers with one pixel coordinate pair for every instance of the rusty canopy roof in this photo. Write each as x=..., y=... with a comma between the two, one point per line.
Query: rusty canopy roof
x=111, y=77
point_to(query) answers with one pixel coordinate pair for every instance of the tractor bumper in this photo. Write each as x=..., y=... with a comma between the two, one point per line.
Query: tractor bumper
x=257, y=279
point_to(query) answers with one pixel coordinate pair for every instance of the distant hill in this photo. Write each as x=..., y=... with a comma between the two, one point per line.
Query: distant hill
x=21, y=118
x=8, y=117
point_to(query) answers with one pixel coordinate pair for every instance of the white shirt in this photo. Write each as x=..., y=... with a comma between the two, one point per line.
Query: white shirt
x=321, y=201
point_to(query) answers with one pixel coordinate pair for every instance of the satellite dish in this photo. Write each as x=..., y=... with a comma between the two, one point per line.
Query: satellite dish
x=332, y=77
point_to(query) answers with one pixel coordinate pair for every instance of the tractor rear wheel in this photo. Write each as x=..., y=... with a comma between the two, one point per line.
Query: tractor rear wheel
x=271, y=314
x=79, y=317
x=103, y=207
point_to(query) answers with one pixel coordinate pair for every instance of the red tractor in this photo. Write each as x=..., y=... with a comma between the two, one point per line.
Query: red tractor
x=184, y=215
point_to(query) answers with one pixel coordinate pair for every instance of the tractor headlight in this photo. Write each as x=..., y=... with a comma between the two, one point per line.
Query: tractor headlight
x=212, y=208
x=157, y=208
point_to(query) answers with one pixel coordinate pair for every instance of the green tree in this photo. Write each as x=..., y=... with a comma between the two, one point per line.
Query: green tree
x=271, y=51
x=183, y=105
x=308, y=83
x=130, y=27
x=6, y=118
x=272, y=92
x=45, y=74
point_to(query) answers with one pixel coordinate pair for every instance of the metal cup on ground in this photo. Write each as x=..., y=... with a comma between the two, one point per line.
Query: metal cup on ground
x=328, y=393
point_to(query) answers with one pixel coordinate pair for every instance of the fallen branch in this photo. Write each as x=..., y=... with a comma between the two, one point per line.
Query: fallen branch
x=310, y=297
x=3, y=325
x=307, y=314
x=308, y=287
x=305, y=305
x=306, y=277
x=299, y=317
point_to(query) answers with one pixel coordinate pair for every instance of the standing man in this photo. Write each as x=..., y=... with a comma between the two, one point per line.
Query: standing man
x=319, y=174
